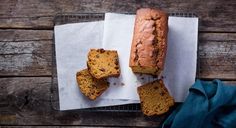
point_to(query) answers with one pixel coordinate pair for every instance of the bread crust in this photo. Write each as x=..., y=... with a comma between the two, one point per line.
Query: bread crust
x=149, y=44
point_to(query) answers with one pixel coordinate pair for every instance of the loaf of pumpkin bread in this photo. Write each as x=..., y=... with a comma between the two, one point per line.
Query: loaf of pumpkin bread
x=149, y=42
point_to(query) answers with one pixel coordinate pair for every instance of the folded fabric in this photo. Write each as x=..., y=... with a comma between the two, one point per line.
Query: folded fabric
x=208, y=105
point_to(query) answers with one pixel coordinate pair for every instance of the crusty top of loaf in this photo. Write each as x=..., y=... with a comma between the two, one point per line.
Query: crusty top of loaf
x=150, y=38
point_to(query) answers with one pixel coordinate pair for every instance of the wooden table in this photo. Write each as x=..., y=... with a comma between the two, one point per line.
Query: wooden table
x=26, y=41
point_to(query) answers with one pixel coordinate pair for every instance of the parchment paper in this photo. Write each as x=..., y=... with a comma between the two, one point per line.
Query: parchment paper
x=72, y=42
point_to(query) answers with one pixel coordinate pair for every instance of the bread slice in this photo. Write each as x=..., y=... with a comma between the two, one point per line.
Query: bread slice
x=103, y=63
x=149, y=43
x=154, y=98
x=90, y=86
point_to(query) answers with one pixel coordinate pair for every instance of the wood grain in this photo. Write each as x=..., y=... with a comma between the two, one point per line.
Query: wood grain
x=25, y=58
x=15, y=35
x=29, y=53
x=22, y=98
x=215, y=15
x=26, y=101
x=26, y=44
x=50, y=126
x=217, y=55
x=25, y=52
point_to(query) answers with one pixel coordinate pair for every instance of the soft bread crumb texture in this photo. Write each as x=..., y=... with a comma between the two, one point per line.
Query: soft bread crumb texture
x=90, y=86
x=155, y=98
x=103, y=63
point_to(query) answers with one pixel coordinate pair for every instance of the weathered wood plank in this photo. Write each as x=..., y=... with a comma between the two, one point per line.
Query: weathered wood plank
x=26, y=101
x=21, y=97
x=26, y=58
x=15, y=35
x=25, y=52
x=29, y=53
x=50, y=127
x=25, y=47
x=27, y=22
x=217, y=55
x=215, y=15
x=25, y=65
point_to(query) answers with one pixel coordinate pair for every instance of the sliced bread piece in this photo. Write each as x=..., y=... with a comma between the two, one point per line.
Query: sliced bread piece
x=103, y=63
x=155, y=98
x=90, y=86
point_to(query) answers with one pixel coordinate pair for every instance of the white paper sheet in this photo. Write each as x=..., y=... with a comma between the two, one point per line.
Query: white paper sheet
x=181, y=60
x=73, y=42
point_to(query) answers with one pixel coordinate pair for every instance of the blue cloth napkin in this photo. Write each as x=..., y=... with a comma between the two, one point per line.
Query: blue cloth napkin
x=208, y=105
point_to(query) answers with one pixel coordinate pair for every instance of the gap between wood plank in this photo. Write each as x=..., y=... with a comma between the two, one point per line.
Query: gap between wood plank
x=36, y=28
x=28, y=40
x=24, y=76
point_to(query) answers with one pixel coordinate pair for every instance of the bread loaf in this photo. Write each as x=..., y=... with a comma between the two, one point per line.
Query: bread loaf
x=149, y=41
